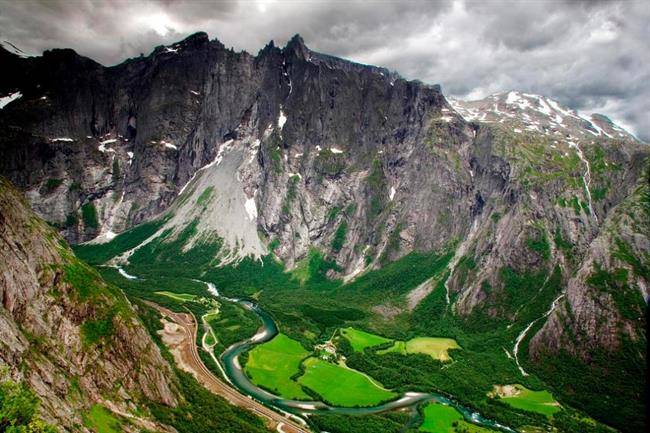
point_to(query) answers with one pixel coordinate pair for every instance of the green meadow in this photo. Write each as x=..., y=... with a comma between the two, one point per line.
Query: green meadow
x=437, y=348
x=271, y=365
x=101, y=420
x=439, y=418
x=521, y=397
x=339, y=385
x=276, y=364
x=359, y=340
x=181, y=297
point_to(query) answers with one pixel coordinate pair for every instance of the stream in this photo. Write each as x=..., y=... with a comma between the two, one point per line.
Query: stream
x=236, y=376
x=586, y=178
x=522, y=334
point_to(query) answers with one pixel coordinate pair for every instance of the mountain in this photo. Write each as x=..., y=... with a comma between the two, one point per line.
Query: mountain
x=293, y=153
x=75, y=340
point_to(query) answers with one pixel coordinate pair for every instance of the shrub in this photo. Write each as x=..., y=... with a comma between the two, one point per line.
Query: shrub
x=89, y=215
x=339, y=236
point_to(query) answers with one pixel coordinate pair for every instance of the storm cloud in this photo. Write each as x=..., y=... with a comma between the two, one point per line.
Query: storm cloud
x=593, y=56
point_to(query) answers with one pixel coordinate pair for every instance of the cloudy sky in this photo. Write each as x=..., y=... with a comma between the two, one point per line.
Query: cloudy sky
x=593, y=56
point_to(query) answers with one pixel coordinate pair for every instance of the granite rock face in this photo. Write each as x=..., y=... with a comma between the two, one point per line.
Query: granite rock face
x=51, y=303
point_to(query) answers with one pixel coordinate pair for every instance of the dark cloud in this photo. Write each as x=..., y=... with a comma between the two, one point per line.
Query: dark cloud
x=590, y=55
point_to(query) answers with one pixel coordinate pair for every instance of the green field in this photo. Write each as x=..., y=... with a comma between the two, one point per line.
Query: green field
x=437, y=348
x=439, y=418
x=181, y=297
x=342, y=386
x=101, y=420
x=520, y=397
x=359, y=340
x=271, y=365
x=209, y=339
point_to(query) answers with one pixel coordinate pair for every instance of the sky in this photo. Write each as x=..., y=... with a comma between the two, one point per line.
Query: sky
x=591, y=55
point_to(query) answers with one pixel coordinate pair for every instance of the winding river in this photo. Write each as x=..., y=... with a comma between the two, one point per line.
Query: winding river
x=235, y=374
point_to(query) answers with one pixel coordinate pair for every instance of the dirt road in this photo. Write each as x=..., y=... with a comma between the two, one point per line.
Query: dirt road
x=181, y=340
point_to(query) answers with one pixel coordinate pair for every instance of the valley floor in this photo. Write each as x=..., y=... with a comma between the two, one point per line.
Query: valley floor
x=181, y=341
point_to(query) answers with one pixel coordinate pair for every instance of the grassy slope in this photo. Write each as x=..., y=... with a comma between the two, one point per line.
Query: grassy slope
x=533, y=401
x=271, y=365
x=361, y=339
x=439, y=418
x=437, y=348
x=181, y=297
x=101, y=420
x=341, y=386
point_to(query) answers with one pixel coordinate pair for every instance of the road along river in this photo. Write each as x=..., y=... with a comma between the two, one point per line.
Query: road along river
x=235, y=375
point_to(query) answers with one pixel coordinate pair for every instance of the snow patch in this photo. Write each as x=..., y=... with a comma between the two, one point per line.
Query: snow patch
x=335, y=150
x=512, y=97
x=599, y=130
x=102, y=145
x=9, y=98
x=282, y=119
x=168, y=145
x=126, y=275
x=392, y=193
x=295, y=174
x=130, y=154
x=194, y=92
x=61, y=139
x=251, y=208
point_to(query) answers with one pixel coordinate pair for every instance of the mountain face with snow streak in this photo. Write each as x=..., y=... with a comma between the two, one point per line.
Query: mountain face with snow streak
x=291, y=150
x=535, y=113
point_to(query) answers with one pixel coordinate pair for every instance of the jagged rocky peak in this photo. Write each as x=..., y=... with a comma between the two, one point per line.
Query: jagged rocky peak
x=540, y=114
x=197, y=40
x=296, y=45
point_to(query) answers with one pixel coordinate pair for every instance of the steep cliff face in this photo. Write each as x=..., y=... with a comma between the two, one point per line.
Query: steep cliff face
x=74, y=340
x=100, y=149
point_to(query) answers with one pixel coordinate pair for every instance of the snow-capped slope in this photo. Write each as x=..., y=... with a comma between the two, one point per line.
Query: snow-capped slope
x=528, y=112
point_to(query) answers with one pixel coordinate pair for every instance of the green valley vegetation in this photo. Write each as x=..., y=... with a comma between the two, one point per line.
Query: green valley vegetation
x=272, y=366
x=182, y=297
x=284, y=367
x=338, y=385
x=386, y=422
x=200, y=411
x=101, y=420
x=89, y=215
x=440, y=418
x=19, y=408
x=520, y=397
x=412, y=350
x=437, y=348
x=361, y=339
